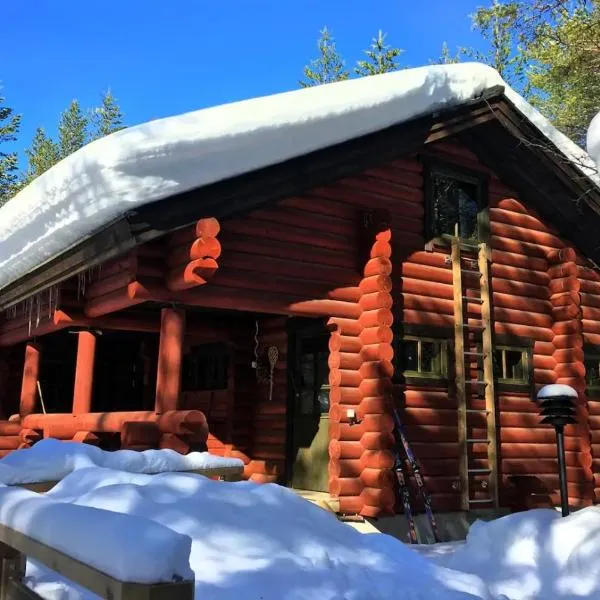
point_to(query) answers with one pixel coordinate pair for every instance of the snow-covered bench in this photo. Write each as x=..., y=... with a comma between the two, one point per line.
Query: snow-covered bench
x=117, y=556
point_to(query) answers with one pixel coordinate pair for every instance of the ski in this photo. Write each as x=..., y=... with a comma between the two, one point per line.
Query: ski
x=405, y=497
x=416, y=471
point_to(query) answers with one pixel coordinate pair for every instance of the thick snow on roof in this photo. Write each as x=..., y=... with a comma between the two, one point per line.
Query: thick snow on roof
x=99, y=183
x=593, y=140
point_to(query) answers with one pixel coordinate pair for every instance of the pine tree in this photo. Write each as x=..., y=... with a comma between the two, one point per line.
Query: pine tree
x=43, y=154
x=72, y=130
x=446, y=58
x=108, y=118
x=381, y=58
x=497, y=24
x=328, y=67
x=9, y=128
x=553, y=49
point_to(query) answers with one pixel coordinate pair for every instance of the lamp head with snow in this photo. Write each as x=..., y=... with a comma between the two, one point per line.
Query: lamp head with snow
x=557, y=404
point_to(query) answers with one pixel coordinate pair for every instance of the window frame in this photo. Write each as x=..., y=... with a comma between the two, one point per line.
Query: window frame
x=420, y=335
x=433, y=167
x=198, y=351
x=589, y=351
x=526, y=357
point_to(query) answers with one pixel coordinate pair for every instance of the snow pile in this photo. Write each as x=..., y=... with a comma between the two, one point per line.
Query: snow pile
x=593, y=140
x=104, y=180
x=129, y=548
x=264, y=542
x=533, y=555
x=51, y=460
x=256, y=542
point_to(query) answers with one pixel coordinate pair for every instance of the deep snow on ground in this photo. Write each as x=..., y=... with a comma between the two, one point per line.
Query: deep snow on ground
x=264, y=542
x=51, y=460
x=252, y=542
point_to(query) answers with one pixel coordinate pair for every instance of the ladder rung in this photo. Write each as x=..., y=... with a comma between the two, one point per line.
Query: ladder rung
x=474, y=354
x=467, y=326
x=472, y=271
x=479, y=470
x=479, y=501
x=477, y=410
x=471, y=299
x=476, y=382
x=477, y=441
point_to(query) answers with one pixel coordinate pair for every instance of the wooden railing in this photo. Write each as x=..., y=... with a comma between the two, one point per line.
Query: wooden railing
x=15, y=547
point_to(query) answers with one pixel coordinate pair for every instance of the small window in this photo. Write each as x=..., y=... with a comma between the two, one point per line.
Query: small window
x=511, y=365
x=421, y=357
x=592, y=371
x=206, y=367
x=454, y=205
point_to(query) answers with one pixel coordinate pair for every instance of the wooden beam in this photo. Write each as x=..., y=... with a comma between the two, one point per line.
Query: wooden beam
x=170, y=354
x=31, y=370
x=84, y=373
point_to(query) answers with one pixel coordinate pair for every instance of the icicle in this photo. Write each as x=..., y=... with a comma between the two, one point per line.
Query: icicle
x=29, y=312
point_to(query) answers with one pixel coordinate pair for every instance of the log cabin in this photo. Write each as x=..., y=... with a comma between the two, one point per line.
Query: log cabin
x=287, y=270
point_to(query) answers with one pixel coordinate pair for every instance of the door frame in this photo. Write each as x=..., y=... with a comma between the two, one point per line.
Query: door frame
x=298, y=328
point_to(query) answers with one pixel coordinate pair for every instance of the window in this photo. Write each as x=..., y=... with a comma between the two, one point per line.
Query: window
x=206, y=367
x=454, y=205
x=511, y=365
x=423, y=357
x=313, y=376
x=592, y=371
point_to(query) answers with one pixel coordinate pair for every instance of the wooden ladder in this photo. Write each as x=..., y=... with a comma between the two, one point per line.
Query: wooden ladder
x=475, y=395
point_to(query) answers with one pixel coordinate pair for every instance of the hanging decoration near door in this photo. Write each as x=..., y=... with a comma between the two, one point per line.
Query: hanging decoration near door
x=273, y=356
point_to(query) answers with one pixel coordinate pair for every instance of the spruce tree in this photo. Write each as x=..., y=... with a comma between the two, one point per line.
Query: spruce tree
x=328, y=67
x=72, y=130
x=381, y=58
x=446, y=58
x=9, y=128
x=43, y=154
x=107, y=118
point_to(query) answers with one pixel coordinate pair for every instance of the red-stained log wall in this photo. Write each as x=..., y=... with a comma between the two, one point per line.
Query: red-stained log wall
x=301, y=257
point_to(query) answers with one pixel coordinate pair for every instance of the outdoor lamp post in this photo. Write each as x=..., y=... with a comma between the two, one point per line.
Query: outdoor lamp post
x=557, y=408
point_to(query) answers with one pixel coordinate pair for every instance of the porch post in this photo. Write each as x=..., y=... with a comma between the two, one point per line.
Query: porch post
x=31, y=370
x=84, y=373
x=170, y=353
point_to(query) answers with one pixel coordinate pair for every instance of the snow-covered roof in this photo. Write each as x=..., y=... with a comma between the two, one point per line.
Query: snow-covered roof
x=593, y=140
x=98, y=184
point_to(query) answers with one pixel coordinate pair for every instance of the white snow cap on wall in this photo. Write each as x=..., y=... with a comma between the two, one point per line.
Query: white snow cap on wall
x=96, y=185
x=593, y=140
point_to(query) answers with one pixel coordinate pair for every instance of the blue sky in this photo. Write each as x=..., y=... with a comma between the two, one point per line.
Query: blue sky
x=170, y=56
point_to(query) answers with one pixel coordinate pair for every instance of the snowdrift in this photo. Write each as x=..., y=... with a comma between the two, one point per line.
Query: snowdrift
x=250, y=541
x=52, y=460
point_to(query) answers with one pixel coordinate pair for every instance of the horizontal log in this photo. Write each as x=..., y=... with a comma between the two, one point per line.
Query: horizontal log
x=536, y=451
x=345, y=486
x=519, y=274
x=564, y=284
x=303, y=236
x=345, y=343
x=205, y=247
x=525, y=331
x=236, y=243
x=562, y=255
x=524, y=234
x=568, y=341
x=525, y=221
x=169, y=422
x=195, y=273
x=345, y=395
x=568, y=327
x=375, y=283
x=519, y=260
x=369, y=424
x=561, y=270
x=505, y=201
x=303, y=218
x=506, y=244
